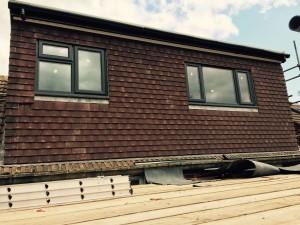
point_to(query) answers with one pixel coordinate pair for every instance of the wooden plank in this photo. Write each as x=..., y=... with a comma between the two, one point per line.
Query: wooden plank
x=283, y=215
x=225, y=212
x=213, y=187
x=172, y=206
x=133, y=216
x=144, y=189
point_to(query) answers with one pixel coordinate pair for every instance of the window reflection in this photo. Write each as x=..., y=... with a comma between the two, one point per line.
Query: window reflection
x=193, y=81
x=55, y=50
x=54, y=77
x=244, y=87
x=219, y=85
x=89, y=70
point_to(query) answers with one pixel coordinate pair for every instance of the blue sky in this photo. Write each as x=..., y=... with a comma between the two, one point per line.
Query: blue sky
x=257, y=23
x=270, y=30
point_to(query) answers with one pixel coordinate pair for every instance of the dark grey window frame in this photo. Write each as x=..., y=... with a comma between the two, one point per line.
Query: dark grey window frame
x=73, y=60
x=202, y=100
x=42, y=55
x=103, y=77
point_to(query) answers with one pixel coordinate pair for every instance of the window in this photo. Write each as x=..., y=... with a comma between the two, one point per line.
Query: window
x=67, y=70
x=215, y=86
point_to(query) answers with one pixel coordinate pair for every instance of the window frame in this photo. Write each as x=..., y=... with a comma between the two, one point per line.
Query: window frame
x=250, y=85
x=201, y=83
x=42, y=55
x=237, y=89
x=47, y=92
x=73, y=61
x=102, y=62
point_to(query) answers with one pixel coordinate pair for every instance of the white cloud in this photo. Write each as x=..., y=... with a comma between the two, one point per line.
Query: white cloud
x=211, y=19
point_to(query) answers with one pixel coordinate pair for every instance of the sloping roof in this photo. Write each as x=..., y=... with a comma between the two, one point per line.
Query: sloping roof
x=3, y=91
x=3, y=86
x=34, y=12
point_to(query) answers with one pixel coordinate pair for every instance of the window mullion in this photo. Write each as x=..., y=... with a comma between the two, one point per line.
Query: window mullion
x=237, y=87
x=245, y=89
x=75, y=74
x=202, y=86
x=251, y=88
x=104, y=70
x=73, y=71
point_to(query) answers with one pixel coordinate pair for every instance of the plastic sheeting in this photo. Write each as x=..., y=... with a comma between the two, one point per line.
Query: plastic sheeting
x=238, y=168
x=245, y=168
x=169, y=175
x=291, y=169
x=250, y=168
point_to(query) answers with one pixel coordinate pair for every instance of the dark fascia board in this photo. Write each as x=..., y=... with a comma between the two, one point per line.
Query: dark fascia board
x=37, y=12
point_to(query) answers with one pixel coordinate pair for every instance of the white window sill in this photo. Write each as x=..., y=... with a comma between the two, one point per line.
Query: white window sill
x=66, y=99
x=220, y=108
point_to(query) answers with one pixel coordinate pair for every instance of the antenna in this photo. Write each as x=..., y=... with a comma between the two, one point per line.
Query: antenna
x=295, y=46
x=298, y=65
x=292, y=78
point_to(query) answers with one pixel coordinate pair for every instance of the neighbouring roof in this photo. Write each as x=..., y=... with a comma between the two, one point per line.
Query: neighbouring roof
x=296, y=113
x=3, y=87
x=35, y=12
x=3, y=92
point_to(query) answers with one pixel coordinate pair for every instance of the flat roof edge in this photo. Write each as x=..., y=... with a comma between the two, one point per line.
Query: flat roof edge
x=20, y=173
x=32, y=11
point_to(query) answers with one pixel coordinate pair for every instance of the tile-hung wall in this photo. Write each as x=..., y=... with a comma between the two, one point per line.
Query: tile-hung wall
x=145, y=110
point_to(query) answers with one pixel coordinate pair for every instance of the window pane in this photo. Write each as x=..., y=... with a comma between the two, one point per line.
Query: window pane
x=244, y=87
x=55, y=50
x=193, y=82
x=54, y=77
x=219, y=85
x=89, y=71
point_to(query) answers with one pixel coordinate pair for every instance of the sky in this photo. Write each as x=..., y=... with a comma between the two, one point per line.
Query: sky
x=256, y=23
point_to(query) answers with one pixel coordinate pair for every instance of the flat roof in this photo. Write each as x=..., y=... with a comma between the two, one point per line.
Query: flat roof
x=53, y=15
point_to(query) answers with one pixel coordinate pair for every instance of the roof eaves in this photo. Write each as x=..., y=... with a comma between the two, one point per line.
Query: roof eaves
x=33, y=11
